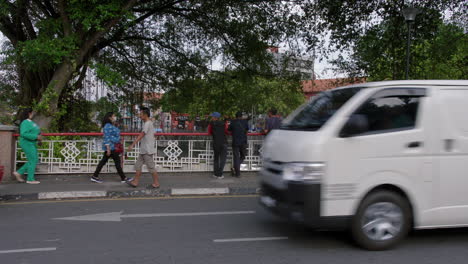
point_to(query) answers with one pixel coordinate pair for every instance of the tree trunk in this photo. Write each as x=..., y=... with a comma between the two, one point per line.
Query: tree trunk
x=32, y=85
x=58, y=82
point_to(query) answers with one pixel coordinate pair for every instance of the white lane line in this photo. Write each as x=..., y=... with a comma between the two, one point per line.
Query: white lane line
x=188, y=214
x=250, y=239
x=52, y=240
x=26, y=250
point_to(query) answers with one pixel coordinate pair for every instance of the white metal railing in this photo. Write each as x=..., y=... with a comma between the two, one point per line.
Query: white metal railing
x=175, y=153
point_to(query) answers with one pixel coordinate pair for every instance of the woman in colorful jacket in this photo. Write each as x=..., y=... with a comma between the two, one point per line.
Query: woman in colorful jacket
x=111, y=137
x=30, y=134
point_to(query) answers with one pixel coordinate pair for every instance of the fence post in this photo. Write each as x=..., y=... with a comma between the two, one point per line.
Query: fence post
x=7, y=151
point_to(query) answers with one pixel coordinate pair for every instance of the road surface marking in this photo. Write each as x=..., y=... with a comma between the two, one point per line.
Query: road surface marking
x=117, y=216
x=26, y=250
x=132, y=198
x=250, y=239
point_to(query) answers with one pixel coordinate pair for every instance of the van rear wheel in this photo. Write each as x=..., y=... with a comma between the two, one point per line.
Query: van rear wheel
x=382, y=221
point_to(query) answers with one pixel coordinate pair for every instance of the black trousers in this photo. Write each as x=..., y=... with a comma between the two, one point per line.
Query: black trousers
x=219, y=160
x=116, y=157
x=238, y=152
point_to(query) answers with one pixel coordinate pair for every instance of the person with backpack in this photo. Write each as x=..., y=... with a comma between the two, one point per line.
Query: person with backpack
x=111, y=148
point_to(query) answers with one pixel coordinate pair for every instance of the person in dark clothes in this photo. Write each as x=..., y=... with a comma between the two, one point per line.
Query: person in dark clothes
x=273, y=121
x=218, y=129
x=239, y=129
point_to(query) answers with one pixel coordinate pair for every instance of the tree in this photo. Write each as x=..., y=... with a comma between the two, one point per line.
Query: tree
x=105, y=105
x=373, y=33
x=53, y=43
x=380, y=56
x=233, y=91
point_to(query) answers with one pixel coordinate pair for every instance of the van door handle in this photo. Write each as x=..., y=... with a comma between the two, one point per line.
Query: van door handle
x=415, y=144
x=448, y=145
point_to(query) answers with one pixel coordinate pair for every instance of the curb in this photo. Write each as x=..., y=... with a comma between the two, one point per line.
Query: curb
x=174, y=192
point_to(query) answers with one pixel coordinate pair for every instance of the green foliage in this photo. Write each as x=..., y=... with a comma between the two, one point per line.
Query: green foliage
x=45, y=52
x=108, y=75
x=374, y=35
x=94, y=13
x=439, y=53
x=103, y=106
x=44, y=106
x=8, y=107
x=444, y=56
x=76, y=116
x=231, y=92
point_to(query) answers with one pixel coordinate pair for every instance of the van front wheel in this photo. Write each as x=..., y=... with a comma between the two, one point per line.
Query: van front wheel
x=382, y=220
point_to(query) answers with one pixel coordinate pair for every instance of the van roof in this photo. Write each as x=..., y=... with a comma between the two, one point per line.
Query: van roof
x=411, y=82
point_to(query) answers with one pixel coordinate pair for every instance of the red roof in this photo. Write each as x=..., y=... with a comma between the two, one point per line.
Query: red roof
x=150, y=96
x=311, y=87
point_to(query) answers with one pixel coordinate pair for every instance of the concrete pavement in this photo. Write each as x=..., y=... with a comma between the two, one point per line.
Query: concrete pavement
x=172, y=184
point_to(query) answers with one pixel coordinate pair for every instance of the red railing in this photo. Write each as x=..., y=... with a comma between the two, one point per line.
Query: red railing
x=132, y=134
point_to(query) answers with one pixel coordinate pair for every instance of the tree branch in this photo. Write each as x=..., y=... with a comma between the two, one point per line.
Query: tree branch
x=51, y=8
x=28, y=24
x=8, y=29
x=93, y=39
x=150, y=11
x=67, y=29
x=43, y=8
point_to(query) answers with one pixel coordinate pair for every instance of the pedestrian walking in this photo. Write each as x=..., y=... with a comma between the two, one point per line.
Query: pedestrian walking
x=239, y=129
x=111, y=148
x=273, y=121
x=30, y=135
x=147, y=150
x=218, y=129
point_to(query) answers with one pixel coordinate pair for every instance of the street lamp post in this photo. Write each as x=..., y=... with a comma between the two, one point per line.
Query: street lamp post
x=410, y=15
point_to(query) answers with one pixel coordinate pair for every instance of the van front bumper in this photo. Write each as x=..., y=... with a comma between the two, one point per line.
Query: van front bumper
x=300, y=202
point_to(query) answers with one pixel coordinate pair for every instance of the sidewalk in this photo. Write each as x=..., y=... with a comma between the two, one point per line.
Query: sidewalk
x=172, y=184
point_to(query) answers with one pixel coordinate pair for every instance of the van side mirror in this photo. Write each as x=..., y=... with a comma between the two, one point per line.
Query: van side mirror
x=355, y=125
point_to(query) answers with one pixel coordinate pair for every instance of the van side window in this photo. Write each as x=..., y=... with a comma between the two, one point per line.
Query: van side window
x=389, y=113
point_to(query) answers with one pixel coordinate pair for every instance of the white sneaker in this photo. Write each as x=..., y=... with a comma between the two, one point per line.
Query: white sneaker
x=19, y=177
x=33, y=182
x=127, y=180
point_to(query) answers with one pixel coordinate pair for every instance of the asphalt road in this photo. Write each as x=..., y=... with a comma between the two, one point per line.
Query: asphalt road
x=193, y=230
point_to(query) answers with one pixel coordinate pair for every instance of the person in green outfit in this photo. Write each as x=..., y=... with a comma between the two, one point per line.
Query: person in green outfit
x=30, y=134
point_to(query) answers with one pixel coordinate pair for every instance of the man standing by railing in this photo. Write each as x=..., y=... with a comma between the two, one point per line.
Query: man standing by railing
x=239, y=129
x=273, y=121
x=218, y=129
x=147, y=150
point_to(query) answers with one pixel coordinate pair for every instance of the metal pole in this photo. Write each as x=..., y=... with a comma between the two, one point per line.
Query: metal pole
x=408, y=50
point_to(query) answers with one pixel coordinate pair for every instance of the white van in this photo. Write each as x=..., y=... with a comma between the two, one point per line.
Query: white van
x=379, y=158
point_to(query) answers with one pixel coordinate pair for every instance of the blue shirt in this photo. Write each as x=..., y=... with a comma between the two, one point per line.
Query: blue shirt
x=111, y=136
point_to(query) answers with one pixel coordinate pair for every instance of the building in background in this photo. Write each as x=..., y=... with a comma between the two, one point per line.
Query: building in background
x=130, y=120
x=285, y=62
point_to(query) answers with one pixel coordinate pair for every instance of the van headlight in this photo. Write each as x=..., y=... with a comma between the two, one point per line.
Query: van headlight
x=307, y=172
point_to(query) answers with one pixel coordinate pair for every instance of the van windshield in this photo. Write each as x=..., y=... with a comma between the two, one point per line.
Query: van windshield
x=314, y=114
